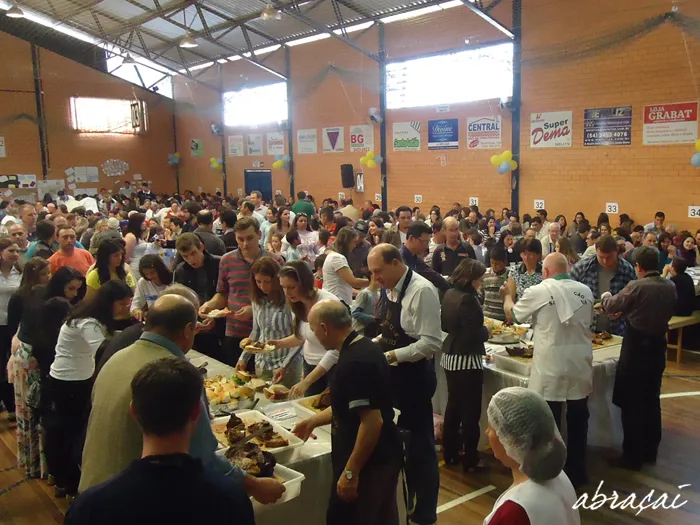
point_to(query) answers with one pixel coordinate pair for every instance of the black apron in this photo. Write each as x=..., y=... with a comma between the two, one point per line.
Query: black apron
x=411, y=382
x=640, y=367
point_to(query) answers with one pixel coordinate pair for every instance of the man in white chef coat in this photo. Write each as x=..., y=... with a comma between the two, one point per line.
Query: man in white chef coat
x=560, y=310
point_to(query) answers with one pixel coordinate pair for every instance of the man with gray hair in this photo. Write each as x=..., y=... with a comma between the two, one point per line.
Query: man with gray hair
x=549, y=242
x=561, y=311
x=366, y=454
x=114, y=439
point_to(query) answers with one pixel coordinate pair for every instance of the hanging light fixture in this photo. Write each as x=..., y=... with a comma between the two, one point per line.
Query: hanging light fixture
x=269, y=12
x=128, y=60
x=14, y=12
x=188, y=42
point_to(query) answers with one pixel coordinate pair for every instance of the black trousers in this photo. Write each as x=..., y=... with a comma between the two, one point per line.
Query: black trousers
x=210, y=344
x=232, y=350
x=64, y=424
x=576, y=436
x=7, y=391
x=464, y=389
x=376, y=503
x=641, y=420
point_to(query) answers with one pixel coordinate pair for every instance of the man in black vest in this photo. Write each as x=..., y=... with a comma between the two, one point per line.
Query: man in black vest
x=411, y=334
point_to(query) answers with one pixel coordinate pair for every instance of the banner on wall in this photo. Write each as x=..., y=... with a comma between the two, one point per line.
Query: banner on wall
x=307, y=140
x=196, y=148
x=607, y=126
x=551, y=130
x=407, y=136
x=254, y=145
x=361, y=138
x=275, y=143
x=334, y=140
x=235, y=146
x=484, y=133
x=443, y=134
x=3, y=149
x=671, y=123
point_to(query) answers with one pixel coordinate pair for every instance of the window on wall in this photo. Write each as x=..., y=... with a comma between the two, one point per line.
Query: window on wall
x=465, y=76
x=254, y=106
x=106, y=115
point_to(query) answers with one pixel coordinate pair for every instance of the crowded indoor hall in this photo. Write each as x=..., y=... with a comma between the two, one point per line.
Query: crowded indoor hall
x=349, y=262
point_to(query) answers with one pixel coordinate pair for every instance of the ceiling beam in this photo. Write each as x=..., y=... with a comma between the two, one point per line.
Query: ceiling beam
x=322, y=28
x=83, y=7
x=235, y=24
x=483, y=14
x=168, y=9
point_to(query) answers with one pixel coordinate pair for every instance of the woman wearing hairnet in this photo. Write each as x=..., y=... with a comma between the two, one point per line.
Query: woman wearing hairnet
x=524, y=437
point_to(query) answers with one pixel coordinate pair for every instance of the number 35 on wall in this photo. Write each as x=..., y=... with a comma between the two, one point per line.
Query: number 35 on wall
x=612, y=207
x=694, y=212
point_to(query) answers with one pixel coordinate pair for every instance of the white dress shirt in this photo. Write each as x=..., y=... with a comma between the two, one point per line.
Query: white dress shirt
x=420, y=318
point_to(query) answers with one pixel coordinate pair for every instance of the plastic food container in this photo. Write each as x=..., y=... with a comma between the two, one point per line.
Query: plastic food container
x=304, y=411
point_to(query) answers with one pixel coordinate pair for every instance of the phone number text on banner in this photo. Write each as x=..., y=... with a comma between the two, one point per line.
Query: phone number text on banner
x=607, y=126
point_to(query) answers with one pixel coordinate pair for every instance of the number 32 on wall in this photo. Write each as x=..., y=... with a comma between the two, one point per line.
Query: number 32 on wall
x=612, y=207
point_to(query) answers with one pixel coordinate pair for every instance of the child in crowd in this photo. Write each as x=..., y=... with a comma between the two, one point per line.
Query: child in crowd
x=364, y=319
x=276, y=243
x=293, y=253
x=318, y=265
x=495, y=277
x=323, y=238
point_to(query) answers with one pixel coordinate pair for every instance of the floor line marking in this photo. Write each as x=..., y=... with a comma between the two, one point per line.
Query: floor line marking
x=679, y=394
x=465, y=498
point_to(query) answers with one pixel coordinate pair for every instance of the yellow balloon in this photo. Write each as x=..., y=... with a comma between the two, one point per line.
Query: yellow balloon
x=278, y=164
x=177, y=155
x=697, y=145
x=371, y=164
x=370, y=155
x=496, y=160
x=513, y=165
x=507, y=155
x=212, y=159
x=364, y=160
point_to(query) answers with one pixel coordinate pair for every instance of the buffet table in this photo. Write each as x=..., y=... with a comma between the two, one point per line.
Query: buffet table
x=313, y=459
x=604, y=425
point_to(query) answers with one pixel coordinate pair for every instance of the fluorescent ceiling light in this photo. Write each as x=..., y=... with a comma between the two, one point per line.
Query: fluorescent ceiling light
x=15, y=12
x=307, y=39
x=128, y=60
x=269, y=12
x=188, y=42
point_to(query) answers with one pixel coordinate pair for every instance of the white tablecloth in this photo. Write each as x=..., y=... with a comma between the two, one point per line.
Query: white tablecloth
x=604, y=425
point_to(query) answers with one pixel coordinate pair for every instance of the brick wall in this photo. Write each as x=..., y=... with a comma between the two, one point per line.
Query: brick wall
x=62, y=79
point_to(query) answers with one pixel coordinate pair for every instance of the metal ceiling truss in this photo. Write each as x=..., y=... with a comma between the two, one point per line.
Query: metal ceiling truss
x=478, y=8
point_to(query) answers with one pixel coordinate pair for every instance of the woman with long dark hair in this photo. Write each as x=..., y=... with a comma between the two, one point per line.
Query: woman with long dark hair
x=156, y=278
x=338, y=278
x=109, y=265
x=603, y=219
x=573, y=229
x=10, y=279
x=297, y=281
x=281, y=226
x=135, y=239
x=563, y=225
x=309, y=239
x=272, y=320
x=376, y=230
x=30, y=303
x=70, y=377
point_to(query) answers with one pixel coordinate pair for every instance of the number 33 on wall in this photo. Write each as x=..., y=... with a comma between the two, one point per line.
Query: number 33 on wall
x=612, y=207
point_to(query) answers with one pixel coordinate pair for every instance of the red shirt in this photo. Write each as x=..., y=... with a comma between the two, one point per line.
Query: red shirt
x=510, y=513
x=80, y=260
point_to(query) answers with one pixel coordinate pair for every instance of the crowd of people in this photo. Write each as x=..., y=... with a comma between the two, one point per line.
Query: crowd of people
x=95, y=325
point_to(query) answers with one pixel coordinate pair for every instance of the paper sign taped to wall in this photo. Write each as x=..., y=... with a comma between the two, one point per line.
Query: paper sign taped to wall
x=3, y=178
x=72, y=186
x=8, y=193
x=69, y=172
x=137, y=176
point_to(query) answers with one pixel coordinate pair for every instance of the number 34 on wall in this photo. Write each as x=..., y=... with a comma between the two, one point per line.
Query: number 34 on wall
x=694, y=212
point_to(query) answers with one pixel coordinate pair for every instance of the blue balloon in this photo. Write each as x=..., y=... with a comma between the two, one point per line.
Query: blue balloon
x=278, y=157
x=378, y=159
x=286, y=158
x=504, y=167
x=695, y=160
x=220, y=160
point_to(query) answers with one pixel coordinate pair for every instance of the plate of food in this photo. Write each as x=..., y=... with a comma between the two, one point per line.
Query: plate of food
x=230, y=430
x=225, y=393
x=216, y=314
x=276, y=392
x=316, y=404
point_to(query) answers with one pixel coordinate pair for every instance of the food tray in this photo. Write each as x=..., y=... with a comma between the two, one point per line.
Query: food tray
x=253, y=416
x=518, y=365
x=613, y=341
x=304, y=410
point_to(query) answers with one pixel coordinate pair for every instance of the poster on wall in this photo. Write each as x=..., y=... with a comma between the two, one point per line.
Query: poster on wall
x=671, y=123
x=84, y=174
x=551, y=130
x=3, y=149
x=484, y=132
x=407, y=136
x=607, y=126
x=254, y=145
x=334, y=140
x=275, y=143
x=307, y=140
x=443, y=134
x=51, y=187
x=235, y=146
x=196, y=148
x=361, y=138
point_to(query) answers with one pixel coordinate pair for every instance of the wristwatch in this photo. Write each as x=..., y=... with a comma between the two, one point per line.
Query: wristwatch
x=348, y=475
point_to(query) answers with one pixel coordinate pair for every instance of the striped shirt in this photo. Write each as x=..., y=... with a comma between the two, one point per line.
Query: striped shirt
x=234, y=283
x=270, y=322
x=493, y=302
x=455, y=362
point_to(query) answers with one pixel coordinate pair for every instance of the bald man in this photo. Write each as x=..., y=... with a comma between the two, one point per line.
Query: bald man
x=366, y=453
x=560, y=310
x=447, y=257
x=114, y=439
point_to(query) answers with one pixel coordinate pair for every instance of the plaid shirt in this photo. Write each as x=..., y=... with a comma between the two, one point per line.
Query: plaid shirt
x=234, y=283
x=586, y=271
